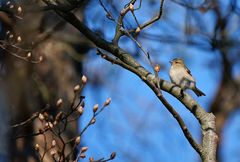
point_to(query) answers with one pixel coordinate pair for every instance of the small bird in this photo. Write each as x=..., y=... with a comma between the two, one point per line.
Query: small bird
x=181, y=76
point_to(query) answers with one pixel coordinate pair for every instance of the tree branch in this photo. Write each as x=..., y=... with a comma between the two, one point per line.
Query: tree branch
x=206, y=120
x=151, y=84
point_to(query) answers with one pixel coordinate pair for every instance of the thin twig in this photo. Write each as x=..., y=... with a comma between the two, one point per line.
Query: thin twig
x=156, y=18
x=30, y=120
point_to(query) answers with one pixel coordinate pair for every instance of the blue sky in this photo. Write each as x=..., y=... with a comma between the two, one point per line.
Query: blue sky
x=136, y=125
x=131, y=89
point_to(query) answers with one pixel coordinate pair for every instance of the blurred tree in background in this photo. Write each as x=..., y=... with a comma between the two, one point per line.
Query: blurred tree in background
x=203, y=32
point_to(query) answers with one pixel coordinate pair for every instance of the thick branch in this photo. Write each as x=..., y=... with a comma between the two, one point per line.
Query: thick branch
x=207, y=120
x=207, y=150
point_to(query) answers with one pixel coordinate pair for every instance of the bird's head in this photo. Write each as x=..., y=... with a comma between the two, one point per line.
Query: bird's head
x=177, y=61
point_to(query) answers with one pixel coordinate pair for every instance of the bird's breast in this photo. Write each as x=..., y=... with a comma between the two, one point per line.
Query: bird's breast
x=176, y=74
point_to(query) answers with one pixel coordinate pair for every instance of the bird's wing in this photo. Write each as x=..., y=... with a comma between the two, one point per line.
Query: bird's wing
x=188, y=71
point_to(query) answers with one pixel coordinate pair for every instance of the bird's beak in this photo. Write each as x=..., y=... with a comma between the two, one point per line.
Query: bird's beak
x=170, y=62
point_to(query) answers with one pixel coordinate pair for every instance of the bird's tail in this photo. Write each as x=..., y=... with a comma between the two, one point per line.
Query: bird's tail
x=198, y=92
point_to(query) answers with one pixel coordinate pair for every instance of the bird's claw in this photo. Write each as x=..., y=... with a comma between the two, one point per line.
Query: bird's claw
x=181, y=96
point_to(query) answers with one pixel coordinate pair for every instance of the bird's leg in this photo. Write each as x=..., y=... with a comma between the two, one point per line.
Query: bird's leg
x=181, y=94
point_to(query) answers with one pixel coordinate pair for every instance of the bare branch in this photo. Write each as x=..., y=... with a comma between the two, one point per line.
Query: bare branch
x=158, y=93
